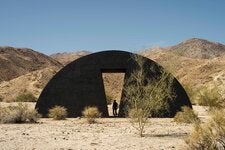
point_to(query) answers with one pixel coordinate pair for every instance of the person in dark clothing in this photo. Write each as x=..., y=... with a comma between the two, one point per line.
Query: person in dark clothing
x=114, y=107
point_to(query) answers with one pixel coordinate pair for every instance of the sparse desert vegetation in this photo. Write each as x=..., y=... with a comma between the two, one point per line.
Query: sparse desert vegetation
x=58, y=113
x=198, y=65
x=186, y=115
x=192, y=93
x=19, y=113
x=147, y=98
x=91, y=113
x=112, y=75
x=25, y=96
x=210, y=96
x=210, y=135
x=109, y=133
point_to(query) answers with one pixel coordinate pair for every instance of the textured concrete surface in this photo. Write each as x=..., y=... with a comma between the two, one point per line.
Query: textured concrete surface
x=80, y=84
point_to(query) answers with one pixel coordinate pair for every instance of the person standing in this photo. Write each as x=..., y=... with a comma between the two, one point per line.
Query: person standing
x=115, y=107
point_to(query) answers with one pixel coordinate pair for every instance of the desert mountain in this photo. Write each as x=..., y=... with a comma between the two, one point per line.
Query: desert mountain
x=192, y=72
x=68, y=57
x=194, y=62
x=198, y=48
x=29, y=70
x=15, y=62
x=33, y=82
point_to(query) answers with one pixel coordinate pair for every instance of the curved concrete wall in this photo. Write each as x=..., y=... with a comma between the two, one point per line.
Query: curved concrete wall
x=80, y=84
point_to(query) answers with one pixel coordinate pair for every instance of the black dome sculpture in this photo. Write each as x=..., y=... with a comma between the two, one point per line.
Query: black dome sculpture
x=80, y=84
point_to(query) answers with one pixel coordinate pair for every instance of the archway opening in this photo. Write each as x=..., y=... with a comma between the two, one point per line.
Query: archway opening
x=113, y=81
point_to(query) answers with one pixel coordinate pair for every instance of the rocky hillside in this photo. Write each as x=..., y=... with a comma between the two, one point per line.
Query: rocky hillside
x=195, y=63
x=33, y=82
x=15, y=62
x=68, y=57
x=191, y=72
x=198, y=48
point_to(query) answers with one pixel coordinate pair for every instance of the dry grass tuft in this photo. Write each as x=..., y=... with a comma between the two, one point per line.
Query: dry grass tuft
x=25, y=96
x=210, y=135
x=18, y=114
x=138, y=119
x=58, y=113
x=211, y=97
x=192, y=92
x=186, y=115
x=91, y=113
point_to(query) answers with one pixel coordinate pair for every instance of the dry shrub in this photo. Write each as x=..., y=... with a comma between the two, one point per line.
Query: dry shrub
x=186, y=115
x=147, y=97
x=192, y=92
x=25, y=96
x=210, y=96
x=58, y=113
x=91, y=113
x=210, y=135
x=18, y=114
x=138, y=119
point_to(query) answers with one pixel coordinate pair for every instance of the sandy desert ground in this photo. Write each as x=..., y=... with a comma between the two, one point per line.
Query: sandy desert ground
x=107, y=134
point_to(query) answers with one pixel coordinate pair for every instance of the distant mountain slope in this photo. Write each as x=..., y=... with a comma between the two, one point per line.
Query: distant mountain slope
x=33, y=82
x=194, y=62
x=15, y=62
x=68, y=57
x=198, y=48
x=190, y=71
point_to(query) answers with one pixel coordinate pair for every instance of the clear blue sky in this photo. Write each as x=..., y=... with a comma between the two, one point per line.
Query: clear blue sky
x=51, y=26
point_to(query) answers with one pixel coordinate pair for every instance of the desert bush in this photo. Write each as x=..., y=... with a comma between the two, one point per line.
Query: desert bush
x=91, y=113
x=147, y=98
x=186, y=115
x=191, y=92
x=210, y=96
x=140, y=117
x=25, y=96
x=58, y=113
x=209, y=136
x=18, y=114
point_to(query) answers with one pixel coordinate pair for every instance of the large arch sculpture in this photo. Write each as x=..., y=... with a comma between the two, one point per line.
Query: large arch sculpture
x=80, y=84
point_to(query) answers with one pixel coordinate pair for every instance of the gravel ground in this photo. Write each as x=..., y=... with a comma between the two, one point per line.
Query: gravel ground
x=107, y=133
